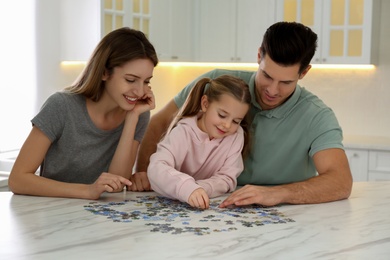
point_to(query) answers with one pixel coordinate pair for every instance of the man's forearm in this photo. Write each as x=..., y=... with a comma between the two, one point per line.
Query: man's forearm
x=319, y=189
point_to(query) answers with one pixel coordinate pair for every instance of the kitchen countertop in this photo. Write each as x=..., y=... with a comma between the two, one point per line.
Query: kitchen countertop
x=367, y=142
x=112, y=227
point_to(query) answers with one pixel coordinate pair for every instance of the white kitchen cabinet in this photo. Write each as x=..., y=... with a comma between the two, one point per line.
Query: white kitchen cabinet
x=80, y=28
x=379, y=166
x=84, y=23
x=358, y=163
x=231, y=30
x=172, y=29
x=369, y=164
x=344, y=27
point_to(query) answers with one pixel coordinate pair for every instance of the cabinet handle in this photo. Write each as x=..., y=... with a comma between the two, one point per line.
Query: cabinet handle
x=323, y=60
x=174, y=57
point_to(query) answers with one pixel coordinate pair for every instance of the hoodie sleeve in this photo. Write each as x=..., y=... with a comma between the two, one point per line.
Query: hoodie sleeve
x=162, y=172
x=225, y=179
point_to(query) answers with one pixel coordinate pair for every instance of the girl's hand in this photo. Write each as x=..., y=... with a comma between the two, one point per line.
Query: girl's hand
x=140, y=182
x=199, y=199
x=146, y=102
x=107, y=182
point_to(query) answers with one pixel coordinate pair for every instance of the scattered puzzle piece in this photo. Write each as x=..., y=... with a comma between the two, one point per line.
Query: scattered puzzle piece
x=171, y=216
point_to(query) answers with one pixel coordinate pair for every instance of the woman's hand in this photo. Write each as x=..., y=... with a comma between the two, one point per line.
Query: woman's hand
x=199, y=199
x=146, y=102
x=107, y=182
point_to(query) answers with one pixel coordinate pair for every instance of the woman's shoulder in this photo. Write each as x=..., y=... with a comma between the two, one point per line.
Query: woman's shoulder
x=63, y=97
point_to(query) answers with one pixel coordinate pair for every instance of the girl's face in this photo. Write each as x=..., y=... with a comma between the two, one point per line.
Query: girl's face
x=129, y=82
x=221, y=118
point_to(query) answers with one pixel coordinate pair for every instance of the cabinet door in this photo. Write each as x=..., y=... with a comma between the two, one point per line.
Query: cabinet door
x=231, y=30
x=344, y=28
x=216, y=36
x=253, y=19
x=358, y=163
x=80, y=29
x=379, y=166
x=171, y=29
x=307, y=12
x=347, y=31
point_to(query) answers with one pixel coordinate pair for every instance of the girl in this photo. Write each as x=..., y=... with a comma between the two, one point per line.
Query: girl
x=200, y=157
x=85, y=138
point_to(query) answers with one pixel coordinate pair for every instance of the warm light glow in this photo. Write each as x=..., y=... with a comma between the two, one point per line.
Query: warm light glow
x=207, y=64
x=73, y=63
x=344, y=66
x=255, y=65
x=238, y=65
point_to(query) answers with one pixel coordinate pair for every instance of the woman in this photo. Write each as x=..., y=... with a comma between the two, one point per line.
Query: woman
x=85, y=138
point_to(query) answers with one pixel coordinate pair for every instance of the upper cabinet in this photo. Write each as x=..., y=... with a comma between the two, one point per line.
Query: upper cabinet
x=80, y=28
x=131, y=13
x=223, y=30
x=172, y=29
x=230, y=30
x=344, y=27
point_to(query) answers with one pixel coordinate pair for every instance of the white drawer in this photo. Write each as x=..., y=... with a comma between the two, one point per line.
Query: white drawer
x=379, y=161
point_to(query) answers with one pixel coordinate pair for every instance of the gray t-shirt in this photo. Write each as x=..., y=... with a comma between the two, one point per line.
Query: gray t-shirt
x=80, y=151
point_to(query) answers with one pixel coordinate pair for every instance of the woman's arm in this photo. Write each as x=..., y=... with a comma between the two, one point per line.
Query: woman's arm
x=124, y=157
x=23, y=179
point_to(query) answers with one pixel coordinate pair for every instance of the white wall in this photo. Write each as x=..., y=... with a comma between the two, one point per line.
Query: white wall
x=18, y=72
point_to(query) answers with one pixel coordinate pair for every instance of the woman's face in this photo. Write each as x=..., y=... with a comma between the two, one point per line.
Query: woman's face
x=129, y=82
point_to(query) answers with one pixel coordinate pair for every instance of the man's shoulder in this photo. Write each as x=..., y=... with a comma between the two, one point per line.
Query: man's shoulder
x=311, y=99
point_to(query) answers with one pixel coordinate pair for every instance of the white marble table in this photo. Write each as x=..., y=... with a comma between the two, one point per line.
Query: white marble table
x=55, y=228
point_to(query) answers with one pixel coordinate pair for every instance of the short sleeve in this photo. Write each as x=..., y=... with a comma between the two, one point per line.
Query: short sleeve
x=52, y=117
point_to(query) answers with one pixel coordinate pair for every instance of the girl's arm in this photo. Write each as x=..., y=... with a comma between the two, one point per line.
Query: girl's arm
x=163, y=175
x=225, y=179
x=23, y=179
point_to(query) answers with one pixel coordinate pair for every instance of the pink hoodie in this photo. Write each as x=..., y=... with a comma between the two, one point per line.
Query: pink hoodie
x=186, y=159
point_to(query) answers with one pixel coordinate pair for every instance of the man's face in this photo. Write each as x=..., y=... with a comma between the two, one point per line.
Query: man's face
x=275, y=83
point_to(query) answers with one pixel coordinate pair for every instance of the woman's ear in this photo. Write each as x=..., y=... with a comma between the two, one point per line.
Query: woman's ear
x=106, y=75
x=204, y=103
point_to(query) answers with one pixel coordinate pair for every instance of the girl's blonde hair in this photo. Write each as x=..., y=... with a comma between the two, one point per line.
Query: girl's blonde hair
x=115, y=49
x=214, y=89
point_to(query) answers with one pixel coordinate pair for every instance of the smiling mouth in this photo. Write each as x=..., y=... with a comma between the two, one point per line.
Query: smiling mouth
x=130, y=98
x=221, y=131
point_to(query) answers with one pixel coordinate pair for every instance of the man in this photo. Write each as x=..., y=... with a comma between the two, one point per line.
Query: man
x=297, y=156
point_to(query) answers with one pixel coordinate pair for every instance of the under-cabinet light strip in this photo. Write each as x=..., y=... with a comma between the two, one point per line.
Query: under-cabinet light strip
x=238, y=65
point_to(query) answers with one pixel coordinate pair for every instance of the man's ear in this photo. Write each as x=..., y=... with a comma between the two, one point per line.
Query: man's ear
x=303, y=74
x=258, y=56
x=204, y=102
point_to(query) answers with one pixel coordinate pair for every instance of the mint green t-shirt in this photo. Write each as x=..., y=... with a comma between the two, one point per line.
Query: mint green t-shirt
x=285, y=138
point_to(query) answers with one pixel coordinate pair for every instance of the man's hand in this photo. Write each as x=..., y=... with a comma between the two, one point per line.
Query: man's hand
x=251, y=194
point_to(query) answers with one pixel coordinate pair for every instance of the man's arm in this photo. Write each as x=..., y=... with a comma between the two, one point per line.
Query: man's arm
x=158, y=125
x=334, y=182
